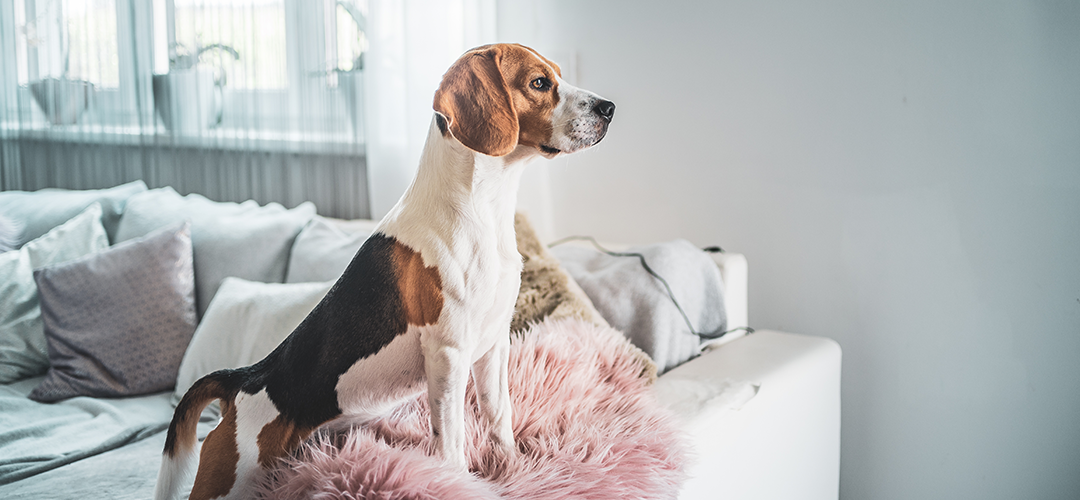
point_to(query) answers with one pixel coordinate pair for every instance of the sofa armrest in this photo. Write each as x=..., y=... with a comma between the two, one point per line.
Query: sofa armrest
x=762, y=414
x=734, y=271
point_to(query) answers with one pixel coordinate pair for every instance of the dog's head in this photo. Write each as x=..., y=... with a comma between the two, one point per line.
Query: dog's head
x=498, y=97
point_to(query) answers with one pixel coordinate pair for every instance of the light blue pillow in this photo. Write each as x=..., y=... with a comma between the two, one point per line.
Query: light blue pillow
x=39, y=211
x=23, y=350
x=244, y=240
x=322, y=251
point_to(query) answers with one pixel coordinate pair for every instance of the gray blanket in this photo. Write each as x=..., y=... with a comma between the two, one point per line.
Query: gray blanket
x=125, y=473
x=82, y=448
x=636, y=303
x=36, y=437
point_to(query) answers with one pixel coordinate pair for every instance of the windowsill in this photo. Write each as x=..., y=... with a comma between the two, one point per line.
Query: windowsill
x=219, y=138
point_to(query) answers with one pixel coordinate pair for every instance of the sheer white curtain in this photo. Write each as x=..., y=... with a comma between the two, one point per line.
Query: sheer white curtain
x=233, y=99
x=274, y=100
x=412, y=43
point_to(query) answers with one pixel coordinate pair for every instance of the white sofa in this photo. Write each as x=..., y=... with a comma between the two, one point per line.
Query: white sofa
x=762, y=411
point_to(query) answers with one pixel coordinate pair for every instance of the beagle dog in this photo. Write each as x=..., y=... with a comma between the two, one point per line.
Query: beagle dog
x=426, y=301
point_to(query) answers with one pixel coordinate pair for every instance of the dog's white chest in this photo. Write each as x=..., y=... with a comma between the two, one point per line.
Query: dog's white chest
x=498, y=286
x=486, y=289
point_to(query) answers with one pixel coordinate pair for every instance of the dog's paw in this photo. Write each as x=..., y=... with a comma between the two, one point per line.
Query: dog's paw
x=504, y=439
x=458, y=464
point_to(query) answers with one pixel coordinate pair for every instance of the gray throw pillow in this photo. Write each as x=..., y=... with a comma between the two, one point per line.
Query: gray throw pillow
x=244, y=240
x=23, y=350
x=637, y=304
x=322, y=251
x=118, y=321
x=39, y=211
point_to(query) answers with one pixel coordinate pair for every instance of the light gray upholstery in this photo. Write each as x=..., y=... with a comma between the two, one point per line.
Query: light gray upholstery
x=322, y=251
x=244, y=240
x=39, y=211
x=637, y=304
x=23, y=351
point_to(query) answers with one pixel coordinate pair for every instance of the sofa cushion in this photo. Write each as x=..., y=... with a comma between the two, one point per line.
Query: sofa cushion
x=245, y=321
x=39, y=211
x=229, y=239
x=118, y=321
x=10, y=231
x=322, y=251
x=637, y=304
x=23, y=350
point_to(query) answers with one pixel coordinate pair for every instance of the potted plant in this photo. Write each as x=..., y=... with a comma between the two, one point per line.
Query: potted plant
x=63, y=100
x=189, y=97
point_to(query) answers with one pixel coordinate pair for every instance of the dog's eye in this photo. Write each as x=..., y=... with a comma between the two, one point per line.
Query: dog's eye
x=540, y=84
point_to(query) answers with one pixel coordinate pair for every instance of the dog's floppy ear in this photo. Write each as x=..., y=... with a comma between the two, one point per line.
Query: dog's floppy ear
x=474, y=97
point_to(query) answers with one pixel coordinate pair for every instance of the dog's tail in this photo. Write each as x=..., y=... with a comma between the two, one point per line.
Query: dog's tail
x=180, y=458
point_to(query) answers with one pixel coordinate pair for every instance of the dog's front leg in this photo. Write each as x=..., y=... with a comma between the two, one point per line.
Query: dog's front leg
x=492, y=384
x=447, y=370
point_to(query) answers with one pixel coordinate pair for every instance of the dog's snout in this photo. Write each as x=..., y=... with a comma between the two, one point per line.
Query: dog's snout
x=606, y=109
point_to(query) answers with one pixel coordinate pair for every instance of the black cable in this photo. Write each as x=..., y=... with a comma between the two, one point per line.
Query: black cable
x=671, y=295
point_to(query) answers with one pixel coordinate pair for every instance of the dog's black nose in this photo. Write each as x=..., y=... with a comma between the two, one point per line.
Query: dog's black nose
x=606, y=109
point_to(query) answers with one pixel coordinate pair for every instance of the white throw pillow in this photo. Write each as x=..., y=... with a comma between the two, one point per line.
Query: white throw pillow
x=23, y=349
x=323, y=250
x=245, y=322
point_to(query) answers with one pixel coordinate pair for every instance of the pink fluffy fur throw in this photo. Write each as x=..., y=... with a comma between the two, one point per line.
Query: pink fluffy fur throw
x=585, y=424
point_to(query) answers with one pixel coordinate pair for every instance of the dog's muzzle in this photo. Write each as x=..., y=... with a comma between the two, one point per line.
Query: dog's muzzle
x=587, y=125
x=605, y=110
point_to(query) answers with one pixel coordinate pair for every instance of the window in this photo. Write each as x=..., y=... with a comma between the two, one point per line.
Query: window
x=255, y=29
x=349, y=42
x=275, y=66
x=68, y=39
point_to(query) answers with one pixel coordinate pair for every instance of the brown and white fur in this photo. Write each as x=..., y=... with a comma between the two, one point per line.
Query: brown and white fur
x=427, y=299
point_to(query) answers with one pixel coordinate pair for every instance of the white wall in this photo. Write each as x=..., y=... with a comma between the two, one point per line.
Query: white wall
x=904, y=177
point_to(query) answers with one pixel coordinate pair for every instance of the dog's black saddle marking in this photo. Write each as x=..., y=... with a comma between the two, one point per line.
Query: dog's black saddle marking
x=361, y=314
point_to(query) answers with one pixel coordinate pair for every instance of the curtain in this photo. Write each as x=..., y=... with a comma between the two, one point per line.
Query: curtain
x=272, y=100
x=412, y=43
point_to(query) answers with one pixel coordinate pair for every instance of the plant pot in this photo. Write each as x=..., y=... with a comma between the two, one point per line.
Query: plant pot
x=188, y=100
x=63, y=101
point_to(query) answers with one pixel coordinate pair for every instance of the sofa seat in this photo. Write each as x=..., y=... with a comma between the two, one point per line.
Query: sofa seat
x=762, y=413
